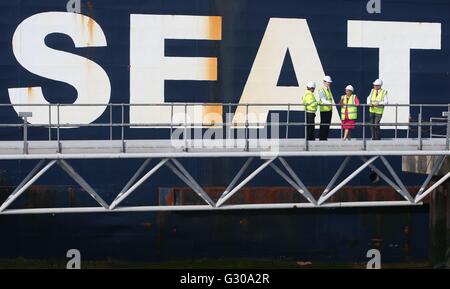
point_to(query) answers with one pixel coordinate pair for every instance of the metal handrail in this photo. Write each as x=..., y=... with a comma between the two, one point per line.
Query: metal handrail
x=432, y=123
x=247, y=125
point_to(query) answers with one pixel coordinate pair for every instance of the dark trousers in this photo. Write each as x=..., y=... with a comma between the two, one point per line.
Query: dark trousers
x=325, y=120
x=375, y=127
x=310, y=128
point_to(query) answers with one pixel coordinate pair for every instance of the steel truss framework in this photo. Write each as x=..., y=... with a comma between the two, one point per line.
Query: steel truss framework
x=278, y=163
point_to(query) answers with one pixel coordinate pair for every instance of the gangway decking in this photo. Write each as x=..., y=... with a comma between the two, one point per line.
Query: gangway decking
x=271, y=152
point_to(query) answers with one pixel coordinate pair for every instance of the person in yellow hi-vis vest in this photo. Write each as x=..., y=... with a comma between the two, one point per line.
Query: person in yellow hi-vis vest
x=377, y=100
x=349, y=111
x=310, y=103
x=326, y=108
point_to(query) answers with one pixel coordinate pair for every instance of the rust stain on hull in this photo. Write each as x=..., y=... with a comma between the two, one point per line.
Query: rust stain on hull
x=267, y=195
x=212, y=114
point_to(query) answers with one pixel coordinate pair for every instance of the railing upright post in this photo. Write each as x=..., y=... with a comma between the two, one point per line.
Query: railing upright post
x=122, y=132
x=110, y=121
x=228, y=117
x=306, y=130
x=25, y=136
x=364, y=128
x=409, y=125
x=287, y=120
x=171, y=120
x=246, y=133
x=58, y=128
x=49, y=122
x=448, y=128
x=185, y=128
x=396, y=119
x=420, y=127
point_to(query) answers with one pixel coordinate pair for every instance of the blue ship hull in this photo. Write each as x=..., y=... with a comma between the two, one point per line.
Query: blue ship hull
x=323, y=235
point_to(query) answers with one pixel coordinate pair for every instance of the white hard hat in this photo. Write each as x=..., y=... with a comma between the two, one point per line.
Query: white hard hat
x=328, y=79
x=349, y=87
x=378, y=82
x=311, y=85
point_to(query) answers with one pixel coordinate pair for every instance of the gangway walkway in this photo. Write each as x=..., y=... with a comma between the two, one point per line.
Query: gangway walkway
x=269, y=151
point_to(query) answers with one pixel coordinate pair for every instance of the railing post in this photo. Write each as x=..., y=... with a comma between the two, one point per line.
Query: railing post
x=171, y=120
x=246, y=133
x=185, y=128
x=110, y=121
x=364, y=128
x=409, y=125
x=229, y=121
x=122, y=132
x=306, y=130
x=420, y=128
x=25, y=116
x=396, y=119
x=431, y=128
x=287, y=121
x=58, y=128
x=448, y=128
x=49, y=122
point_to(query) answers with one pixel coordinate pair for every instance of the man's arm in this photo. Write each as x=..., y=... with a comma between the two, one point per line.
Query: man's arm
x=386, y=100
x=323, y=98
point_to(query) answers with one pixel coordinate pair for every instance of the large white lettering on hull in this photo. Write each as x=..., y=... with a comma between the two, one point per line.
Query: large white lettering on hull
x=281, y=35
x=395, y=41
x=88, y=78
x=150, y=67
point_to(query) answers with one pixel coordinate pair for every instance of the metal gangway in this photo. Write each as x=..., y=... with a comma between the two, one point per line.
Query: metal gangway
x=271, y=143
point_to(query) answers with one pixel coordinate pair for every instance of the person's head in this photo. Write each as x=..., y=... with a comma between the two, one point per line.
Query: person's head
x=349, y=90
x=327, y=81
x=377, y=84
x=311, y=86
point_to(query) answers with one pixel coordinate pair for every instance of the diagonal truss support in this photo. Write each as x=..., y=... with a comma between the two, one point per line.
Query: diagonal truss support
x=336, y=176
x=223, y=199
x=346, y=180
x=30, y=179
x=296, y=178
x=404, y=192
x=434, y=170
x=182, y=173
x=389, y=181
x=432, y=188
x=39, y=170
x=77, y=178
x=284, y=170
x=237, y=177
x=295, y=185
x=132, y=184
x=134, y=178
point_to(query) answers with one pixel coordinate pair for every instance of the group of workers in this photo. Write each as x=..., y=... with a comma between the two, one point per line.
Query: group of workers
x=348, y=103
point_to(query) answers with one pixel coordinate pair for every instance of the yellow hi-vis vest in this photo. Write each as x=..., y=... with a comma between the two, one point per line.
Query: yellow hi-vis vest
x=349, y=103
x=329, y=96
x=310, y=102
x=380, y=98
